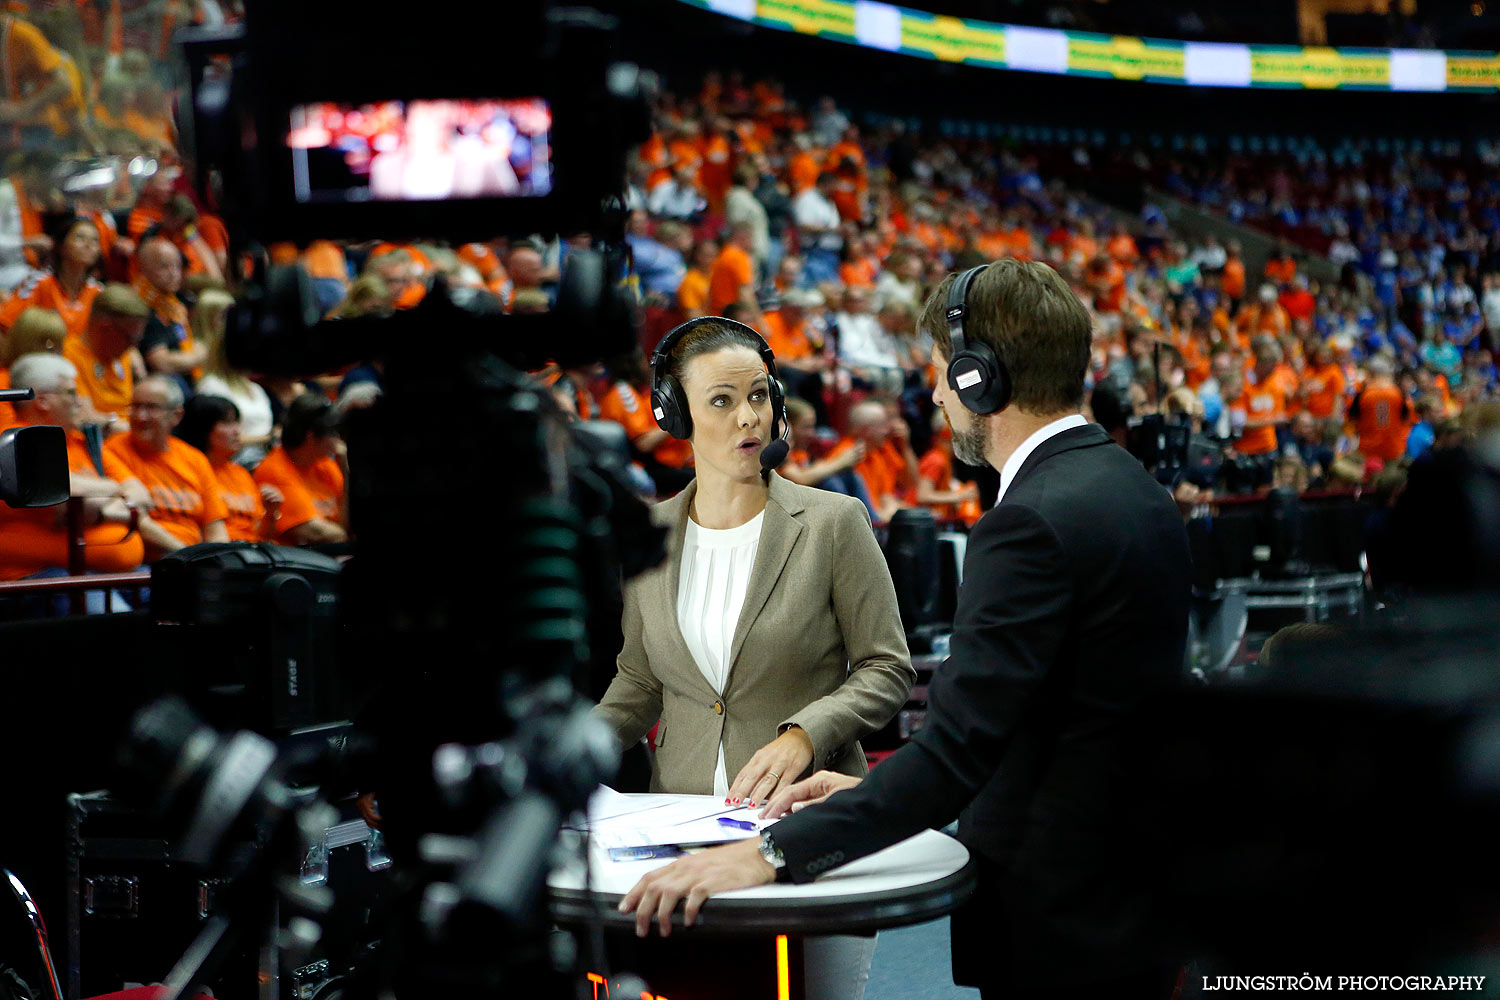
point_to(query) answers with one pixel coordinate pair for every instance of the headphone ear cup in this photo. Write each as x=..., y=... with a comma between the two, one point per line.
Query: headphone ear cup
x=979, y=379
x=996, y=396
x=669, y=410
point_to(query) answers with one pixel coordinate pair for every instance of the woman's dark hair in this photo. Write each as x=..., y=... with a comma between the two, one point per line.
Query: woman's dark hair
x=709, y=338
x=309, y=415
x=58, y=227
x=200, y=415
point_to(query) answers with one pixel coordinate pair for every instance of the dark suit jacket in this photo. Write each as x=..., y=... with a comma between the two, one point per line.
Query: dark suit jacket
x=1073, y=609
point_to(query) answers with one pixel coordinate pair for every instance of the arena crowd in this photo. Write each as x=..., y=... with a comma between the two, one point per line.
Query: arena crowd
x=824, y=235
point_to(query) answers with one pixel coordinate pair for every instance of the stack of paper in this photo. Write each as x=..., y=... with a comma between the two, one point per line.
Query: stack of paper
x=618, y=821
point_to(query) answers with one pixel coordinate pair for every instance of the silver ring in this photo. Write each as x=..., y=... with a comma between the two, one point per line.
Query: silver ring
x=774, y=775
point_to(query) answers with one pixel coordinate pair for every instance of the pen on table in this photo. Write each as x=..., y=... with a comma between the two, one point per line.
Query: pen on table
x=738, y=824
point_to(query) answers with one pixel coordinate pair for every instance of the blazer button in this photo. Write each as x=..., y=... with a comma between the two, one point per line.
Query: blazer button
x=718, y=708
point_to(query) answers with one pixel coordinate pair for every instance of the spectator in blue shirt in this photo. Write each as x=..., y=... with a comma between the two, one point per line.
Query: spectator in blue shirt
x=659, y=267
x=1307, y=444
x=1424, y=432
x=1442, y=357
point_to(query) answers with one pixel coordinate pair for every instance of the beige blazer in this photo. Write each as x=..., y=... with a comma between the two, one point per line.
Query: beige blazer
x=819, y=645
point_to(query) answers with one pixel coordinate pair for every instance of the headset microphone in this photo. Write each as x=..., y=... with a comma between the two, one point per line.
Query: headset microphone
x=775, y=453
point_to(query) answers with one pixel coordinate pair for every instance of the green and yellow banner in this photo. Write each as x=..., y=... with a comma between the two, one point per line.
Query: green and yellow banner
x=892, y=28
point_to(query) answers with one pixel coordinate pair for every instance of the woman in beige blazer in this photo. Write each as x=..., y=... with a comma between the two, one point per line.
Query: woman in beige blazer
x=788, y=677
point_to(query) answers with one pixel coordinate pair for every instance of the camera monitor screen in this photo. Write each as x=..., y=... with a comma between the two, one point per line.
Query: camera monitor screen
x=421, y=150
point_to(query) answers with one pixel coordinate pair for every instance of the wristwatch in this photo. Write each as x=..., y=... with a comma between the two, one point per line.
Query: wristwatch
x=771, y=853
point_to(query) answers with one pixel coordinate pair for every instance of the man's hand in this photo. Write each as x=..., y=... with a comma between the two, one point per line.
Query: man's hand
x=808, y=793
x=136, y=494
x=774, y=767
x=271, y=497
x=900, y=432
x=693, y=879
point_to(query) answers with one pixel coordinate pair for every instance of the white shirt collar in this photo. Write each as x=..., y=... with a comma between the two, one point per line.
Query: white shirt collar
x=1020, y=455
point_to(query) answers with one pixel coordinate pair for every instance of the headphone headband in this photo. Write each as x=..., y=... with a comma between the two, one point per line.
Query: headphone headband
x=664, y=347
x=958, y=306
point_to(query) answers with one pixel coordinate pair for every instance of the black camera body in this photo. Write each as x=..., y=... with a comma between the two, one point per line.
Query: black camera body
x=518, y=126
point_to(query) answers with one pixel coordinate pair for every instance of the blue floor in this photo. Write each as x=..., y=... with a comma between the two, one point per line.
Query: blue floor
x=914, y=963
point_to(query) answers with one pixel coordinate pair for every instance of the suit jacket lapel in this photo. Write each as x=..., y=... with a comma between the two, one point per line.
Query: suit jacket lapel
x=1088, y=436
x=778, y=534
x=674, y=515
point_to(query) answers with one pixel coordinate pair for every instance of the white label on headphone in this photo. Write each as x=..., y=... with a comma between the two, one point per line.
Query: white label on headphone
x=658, y=412
x=968, y=378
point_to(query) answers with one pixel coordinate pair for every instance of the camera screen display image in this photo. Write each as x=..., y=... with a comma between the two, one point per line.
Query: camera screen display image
x=420, y=151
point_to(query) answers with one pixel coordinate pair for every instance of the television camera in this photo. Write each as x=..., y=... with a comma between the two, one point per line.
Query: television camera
x=490, y=534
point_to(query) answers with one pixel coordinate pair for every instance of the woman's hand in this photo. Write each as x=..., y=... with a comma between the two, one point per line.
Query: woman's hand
x=774, y=766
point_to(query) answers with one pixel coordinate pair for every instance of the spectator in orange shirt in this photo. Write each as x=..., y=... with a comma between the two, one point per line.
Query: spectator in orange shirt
x=1082, y=244
x=68, y=288
x=203, y=261
x=787, y=331
x=858, y=266
x=1381, y=413
x=185, y=504
x=692, y=294
x=308, y=469
x=1297, y=300
x=167, y=345
x=107, y=353
x=1264, y=316
x=212, y=425
x=668, y=461
x=733, y=276
x=1322, y=385
x=835, y=472
x=1234, y=275
x=1019, y=239
x=713, y=175
x=889, y=469
x=803, y=170
x=1281, y=268
x=35, y=542
x=936, y=486
x=1263, y=403
x=36, y=78
x=152, y=199
x=1121, y=247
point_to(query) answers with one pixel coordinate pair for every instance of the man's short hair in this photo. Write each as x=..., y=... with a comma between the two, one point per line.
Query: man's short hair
x=310, y=414
x=41, y=371
x=169, y=388
x=1026, y=313
x=117, y=301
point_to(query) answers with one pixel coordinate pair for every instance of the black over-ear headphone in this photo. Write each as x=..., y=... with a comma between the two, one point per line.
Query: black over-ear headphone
x=975, y=374
x=670, y=406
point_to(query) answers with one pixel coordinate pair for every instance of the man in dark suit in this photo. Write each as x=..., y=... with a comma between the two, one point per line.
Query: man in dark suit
x=1073, y=612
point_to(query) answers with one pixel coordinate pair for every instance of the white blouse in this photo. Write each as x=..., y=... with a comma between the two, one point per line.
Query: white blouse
x=716, y=566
